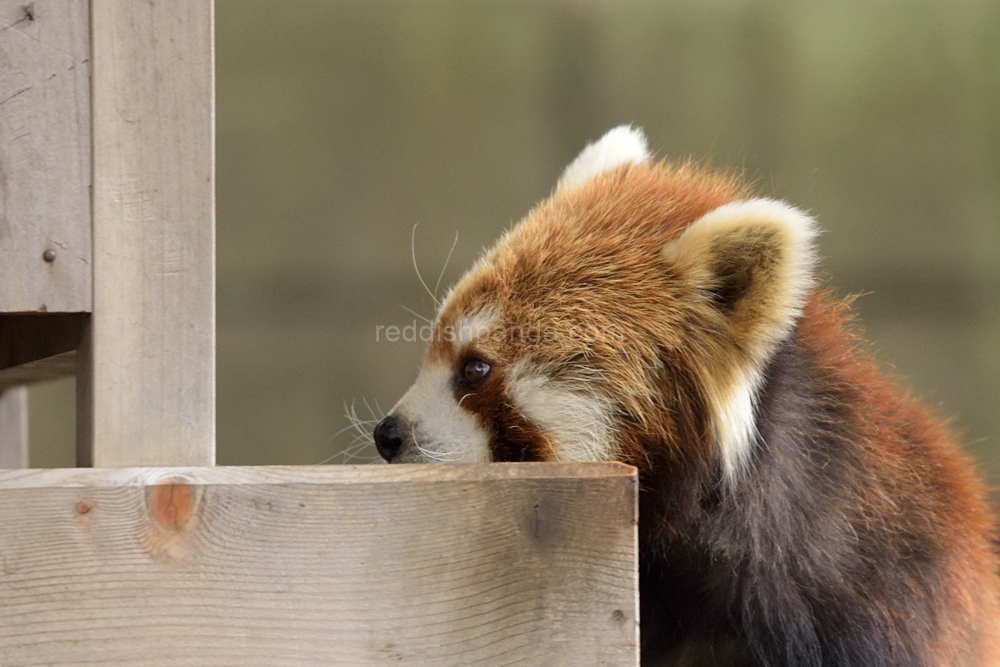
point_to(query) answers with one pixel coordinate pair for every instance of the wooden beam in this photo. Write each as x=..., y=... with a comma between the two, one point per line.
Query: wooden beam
x=461, y=565
x=148, y=362
x=49, y=368
x=14, y=428
x=44, y=156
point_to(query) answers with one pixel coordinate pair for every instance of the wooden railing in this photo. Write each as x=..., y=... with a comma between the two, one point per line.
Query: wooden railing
x=107, y=272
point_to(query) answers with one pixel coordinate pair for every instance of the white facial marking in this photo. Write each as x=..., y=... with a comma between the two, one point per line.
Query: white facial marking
x=733, y=424
x=441, y=430
x=472, y=327
x=578, y=421
x=620, y=146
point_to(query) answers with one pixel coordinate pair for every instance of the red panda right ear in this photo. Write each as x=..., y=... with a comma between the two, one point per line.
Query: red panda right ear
x=753, y=261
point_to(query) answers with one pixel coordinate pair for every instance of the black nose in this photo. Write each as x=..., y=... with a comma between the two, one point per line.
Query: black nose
x=388, y=440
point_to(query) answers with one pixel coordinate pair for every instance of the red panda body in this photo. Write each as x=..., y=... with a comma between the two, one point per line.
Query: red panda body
x=795, y=508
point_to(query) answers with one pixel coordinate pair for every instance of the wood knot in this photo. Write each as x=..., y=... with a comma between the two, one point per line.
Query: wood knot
x=171, y=504
x=172, y=513
x=83, y=511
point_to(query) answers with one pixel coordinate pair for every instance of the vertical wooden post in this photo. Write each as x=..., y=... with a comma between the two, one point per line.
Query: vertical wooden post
x=45, y=244
x=14, y=428
x=147, y=359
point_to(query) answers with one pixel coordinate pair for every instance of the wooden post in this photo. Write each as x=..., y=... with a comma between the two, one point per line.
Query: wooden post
x=14, y=428
x=107, y=207
x=146, y=373
x=45, y=242
x=44, y=157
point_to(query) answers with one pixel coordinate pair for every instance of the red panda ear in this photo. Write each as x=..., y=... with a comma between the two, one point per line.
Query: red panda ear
x=754, y=261
x=619, y=146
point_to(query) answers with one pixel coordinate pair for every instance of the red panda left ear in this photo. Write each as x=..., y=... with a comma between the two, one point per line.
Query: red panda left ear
x=753, y=262
x=618, y=147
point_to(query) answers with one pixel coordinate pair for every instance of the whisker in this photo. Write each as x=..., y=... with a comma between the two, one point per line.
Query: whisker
x=360, y=431
x=440, y=457
x=416, y=314
x=445, y=267
x=375, y=416
x=413, y=254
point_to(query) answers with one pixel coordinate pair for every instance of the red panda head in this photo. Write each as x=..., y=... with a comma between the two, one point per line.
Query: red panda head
x=628, y=317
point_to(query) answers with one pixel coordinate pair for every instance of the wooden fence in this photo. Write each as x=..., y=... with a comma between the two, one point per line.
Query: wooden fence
x=107, y=271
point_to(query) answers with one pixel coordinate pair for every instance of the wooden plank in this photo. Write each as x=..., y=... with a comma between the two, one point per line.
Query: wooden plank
x=464, y=565
x=35, y=347
x=150, y=355
x=14, y=428
x=44, y=156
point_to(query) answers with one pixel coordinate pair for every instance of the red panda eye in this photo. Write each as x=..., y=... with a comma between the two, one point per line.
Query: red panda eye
x=474, y=371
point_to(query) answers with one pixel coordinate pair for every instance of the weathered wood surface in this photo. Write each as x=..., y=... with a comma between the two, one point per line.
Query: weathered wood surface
x=44, y=156
x=505, y=564
x=14, y=428
x=148, y=366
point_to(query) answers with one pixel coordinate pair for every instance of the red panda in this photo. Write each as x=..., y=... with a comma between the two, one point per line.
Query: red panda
x=796, y=508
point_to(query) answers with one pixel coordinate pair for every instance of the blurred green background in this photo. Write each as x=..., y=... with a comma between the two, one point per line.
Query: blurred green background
x=341, y=125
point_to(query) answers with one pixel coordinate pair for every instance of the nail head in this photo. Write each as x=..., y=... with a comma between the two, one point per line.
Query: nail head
x=49, y=255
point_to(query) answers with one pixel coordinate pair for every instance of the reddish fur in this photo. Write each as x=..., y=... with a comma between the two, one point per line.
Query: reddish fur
x=910, y=499
x=535, y=274
x=931, y=481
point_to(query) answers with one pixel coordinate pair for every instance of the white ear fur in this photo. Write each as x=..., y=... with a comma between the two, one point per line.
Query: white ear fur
x=621, y=145
x=758, y=255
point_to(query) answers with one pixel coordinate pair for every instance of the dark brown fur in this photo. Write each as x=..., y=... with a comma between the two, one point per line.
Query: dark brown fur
x=859, y=538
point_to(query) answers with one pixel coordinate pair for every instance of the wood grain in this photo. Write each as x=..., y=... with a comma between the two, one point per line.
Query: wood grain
x=515, y=564
x=148, y=360
x=44, y=156
x=14, y=428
